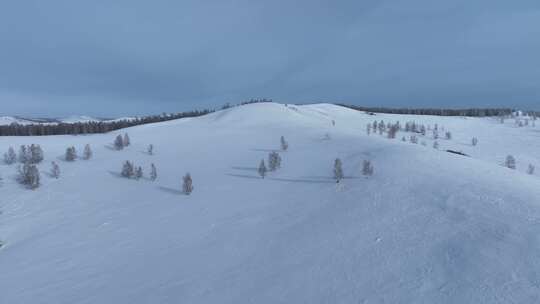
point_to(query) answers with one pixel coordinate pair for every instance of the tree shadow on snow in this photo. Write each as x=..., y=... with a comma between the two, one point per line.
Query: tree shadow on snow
x=244, y=168
x=115, y=174
x=267, y=150
x=244, y=176
x=171, y=190
x=110, y=147
x=281, y=179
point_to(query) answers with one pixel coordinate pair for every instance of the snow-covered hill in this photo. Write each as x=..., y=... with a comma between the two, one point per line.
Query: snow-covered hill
x=7, y=120
x=427, y=227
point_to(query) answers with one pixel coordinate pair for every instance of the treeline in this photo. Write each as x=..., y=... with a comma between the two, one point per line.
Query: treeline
x=475, y=112
x=91, y=126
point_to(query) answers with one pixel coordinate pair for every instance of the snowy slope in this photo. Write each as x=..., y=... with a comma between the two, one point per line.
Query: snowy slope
x=428, y=227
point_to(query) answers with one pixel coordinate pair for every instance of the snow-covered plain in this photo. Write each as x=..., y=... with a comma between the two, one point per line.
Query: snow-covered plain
x=427, y=227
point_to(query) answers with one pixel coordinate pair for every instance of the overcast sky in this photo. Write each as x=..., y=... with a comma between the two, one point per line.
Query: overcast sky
x=123, y=57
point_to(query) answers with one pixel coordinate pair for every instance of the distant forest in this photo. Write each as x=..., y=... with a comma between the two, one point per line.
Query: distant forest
x=473, y=112
x=40, y=129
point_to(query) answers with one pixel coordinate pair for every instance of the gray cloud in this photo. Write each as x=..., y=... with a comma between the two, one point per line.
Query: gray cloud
x=131, y=57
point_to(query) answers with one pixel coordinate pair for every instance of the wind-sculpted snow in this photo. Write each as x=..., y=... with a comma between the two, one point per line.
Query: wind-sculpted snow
x=427, y=227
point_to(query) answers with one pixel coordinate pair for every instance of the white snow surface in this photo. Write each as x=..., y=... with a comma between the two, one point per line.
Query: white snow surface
x=427, y=227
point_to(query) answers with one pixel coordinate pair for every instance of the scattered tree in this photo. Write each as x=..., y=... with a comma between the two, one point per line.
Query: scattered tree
x=274, y=161
x=87, y=154
x=510, y=162
x=126, y=140
x=367, y=168
x=71, y=154
x=153, y=172
x=284, y=144
x=262, y=169
x=29, y=175
x=119, y=142
x=187, y=186
x=10, y=157
x=138, y=173
x=55, y=170
x=128, y=169
x=338, y=170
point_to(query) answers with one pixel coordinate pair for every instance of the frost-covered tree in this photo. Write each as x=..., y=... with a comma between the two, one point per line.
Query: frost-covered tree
x=71, y=154
x=284, y=144
x=87, y=153
x=128, y=169
x=262, y=169
x=187, y=185
x=530, y=169
x=510, y=162
x=274, y=161
x=367, y=168
x=24, y=155
x=153, y=172
x=435, y=145
x=36, y=154
x=10, y=157
x=138, y=173
x=368, y=129
x=150, y=149
x=435, y=133
x=29, y=175
x=338, y=170
x=448, y=135
x=126, y=140
x=474, y=141
x=392, y=131
x=119, y=142
x=55, y=170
